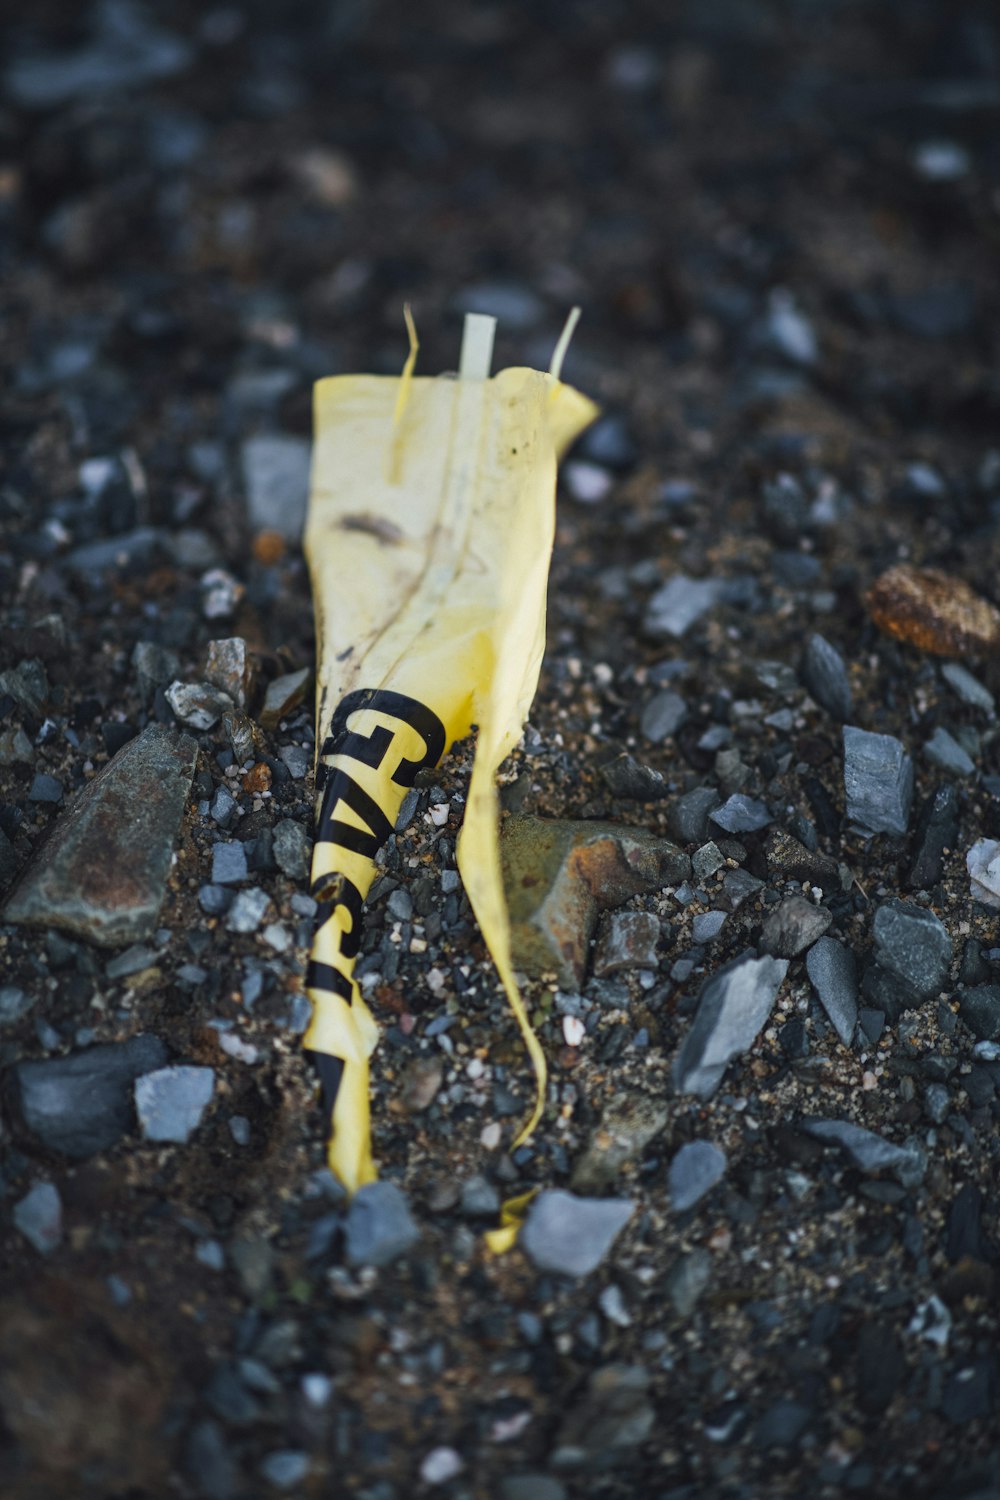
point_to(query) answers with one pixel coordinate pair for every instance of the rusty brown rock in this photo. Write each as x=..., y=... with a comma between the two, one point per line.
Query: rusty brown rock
x=933, y=611
x=560, y=875
x=102, y=873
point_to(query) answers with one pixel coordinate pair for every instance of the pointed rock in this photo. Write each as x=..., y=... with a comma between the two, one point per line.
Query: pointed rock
x=102, y=874
x=734, y=1007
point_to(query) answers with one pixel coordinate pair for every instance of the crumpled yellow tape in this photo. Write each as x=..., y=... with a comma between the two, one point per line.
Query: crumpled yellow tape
x=429, y=534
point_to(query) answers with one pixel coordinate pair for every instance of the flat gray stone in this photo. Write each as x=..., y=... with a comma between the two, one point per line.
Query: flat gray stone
x=734, y=1007
x=944, y=751
x=276, y=480
x=14, y=1003
x=248, y=911
x=229, y=863
x=694, y=1171
x=131, y=813
x=680, y=603
x=707, y=925
x=687, y=1281
x=379, y=1227
x=171, y=1102
x=292, y=849
x=912, y=943
x=831, y=967
x=870, y=1152
x=968, y=688
x=663, y=716
x=742, y=814
x=38, y=1216
x=688, y=816
x=571, y=1235
x=81, y=1104
x=878, y=781
x=198, y=705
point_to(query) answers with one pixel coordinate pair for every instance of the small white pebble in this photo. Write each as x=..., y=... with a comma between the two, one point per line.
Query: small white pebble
x=235, y=1046
x=573, y=1030
x=440, y=1465
x=489, y=1136
x=439, y=816
x=276, y=937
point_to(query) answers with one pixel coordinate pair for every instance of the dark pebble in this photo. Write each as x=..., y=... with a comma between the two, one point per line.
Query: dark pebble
x=936, y=831
x=630, y=781
x=979, y=1008
x=82, y=1104
x=825, y=675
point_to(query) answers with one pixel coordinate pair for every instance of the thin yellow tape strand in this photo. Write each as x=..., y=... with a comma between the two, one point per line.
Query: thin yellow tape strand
x=429, y=575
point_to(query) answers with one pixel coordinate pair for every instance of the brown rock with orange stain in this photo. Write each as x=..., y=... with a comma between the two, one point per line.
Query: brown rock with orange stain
x=258, y=778
x=933, y=611
x=269, y=547
x=560, y=874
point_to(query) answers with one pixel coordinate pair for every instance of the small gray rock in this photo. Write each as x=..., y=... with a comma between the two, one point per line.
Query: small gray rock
x=983, y=865
x=248, y=910
x=687, y=1281
x=870, y=1152
x=663, y=716
x=229, y=863
x=38, y=1216
x=694, y=1171
x=480, y=1199
x=197, y=705
x=792, y=926
x=707, y=925
x=571, y=1235
x=968, y=688
x=979, y=1008
x=912, y=943
x=276, y=479
x=742, y=814
x=297, y=758
x=825, y=676
x=155, y=666
x=681, y=602
x=688, y=816
x=734, y=1006
x=292, y=849
x=81, y=1104
x=629, y=780
x=944, y=751
x=379, y=1227
x=831, y=967
x=14, y=1003
x=878, y=781
x=172, y=1101
x=286, y=1468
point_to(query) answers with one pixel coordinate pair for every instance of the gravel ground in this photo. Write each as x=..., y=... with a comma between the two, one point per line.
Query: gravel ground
x=763, y=1260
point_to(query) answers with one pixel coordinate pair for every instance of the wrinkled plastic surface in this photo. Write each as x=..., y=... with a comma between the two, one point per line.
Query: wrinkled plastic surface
x=429, y=534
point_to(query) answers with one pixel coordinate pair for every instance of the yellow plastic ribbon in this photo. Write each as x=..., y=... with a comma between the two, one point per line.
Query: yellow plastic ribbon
x=430, y=528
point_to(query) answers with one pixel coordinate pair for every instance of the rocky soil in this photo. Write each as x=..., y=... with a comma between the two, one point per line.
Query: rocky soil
x=756, y=811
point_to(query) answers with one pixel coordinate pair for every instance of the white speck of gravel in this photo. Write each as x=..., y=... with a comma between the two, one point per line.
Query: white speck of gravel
x=277, y=937
x=489, y=1136
x=438, y=812
x=573, y=1030
x=440, y=1465
x=317, y=1389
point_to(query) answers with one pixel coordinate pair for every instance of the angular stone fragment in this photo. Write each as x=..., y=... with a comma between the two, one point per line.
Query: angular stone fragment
x=742, y=814
x=631, y=781
x=687, y=1280
x=790, y=859
x=628, y=940
x=197, y=705
x=792, y=926
x=559, y=875
x=276, y=478
x=934, y=611
x=283, y=696
x=969, y=688
x=103, y=871
x=379, y=1227
x=944, y=751
x=228, y=667
x=980, y=1010
x=694, y=1171
x=734, y=1007
x=936, y=832
x=825, y=675
x=681, y=602
x=571, y=1235
x=626, y=1128
x=878, y=781
x=81, y=1104
x=912, y=943
x=292, y=848
x=831, y=967
x=870, y=1152
x=688, y=816
x=28, y=685
x=171, y=1102
x=663, y=715
x=983, y=865
x=38, y=1216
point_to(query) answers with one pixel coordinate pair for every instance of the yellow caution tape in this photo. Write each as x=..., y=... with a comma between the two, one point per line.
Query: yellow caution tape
x=430, y=528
